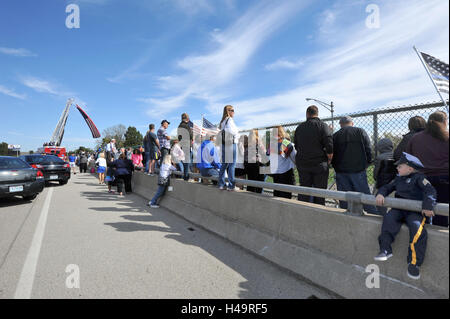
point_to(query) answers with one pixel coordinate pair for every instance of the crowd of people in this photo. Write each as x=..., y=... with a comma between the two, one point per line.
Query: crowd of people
x=416, y=169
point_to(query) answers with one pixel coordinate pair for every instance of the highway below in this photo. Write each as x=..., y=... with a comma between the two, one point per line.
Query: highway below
x=79, y=241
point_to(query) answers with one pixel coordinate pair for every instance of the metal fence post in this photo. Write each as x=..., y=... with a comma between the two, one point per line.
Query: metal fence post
x=354, y=204
x=375, y=133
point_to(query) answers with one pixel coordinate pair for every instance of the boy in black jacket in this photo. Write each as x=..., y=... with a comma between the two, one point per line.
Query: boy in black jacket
x=409, y=184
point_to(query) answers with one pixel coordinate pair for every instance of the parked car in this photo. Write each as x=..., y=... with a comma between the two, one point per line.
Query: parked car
x=53, y=168
x=18, y=178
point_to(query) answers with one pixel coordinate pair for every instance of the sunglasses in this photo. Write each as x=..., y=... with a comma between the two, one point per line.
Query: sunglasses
x=231, y=110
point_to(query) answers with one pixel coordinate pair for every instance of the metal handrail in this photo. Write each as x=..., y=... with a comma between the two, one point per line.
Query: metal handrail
x=355, y=200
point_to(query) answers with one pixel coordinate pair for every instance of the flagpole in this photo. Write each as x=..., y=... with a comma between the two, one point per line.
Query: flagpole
x=431, y=78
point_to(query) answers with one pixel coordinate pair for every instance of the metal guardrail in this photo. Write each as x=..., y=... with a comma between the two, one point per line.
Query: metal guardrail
x=355, y=200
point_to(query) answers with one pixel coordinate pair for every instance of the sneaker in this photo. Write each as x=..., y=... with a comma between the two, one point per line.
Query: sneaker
x=222, y=188
x=383, y=256
x=413, y=271
x=154, y=206
x=231, y=189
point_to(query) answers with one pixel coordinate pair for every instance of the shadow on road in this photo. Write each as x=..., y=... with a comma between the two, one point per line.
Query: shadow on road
x=260, y=281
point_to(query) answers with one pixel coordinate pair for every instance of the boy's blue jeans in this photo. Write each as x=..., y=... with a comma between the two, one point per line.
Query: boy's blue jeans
x=159, y=193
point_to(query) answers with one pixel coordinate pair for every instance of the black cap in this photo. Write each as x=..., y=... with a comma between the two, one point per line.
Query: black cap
x=165, y=121
x=410, y=160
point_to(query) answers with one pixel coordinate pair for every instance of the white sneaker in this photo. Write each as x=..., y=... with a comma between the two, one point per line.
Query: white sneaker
x=222, y=188
x=154, y=206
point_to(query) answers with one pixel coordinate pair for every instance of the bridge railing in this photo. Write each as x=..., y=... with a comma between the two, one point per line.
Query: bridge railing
x=355, y=200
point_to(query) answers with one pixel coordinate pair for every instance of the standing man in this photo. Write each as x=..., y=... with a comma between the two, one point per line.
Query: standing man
x=111, y=150
x=83, y=162
x=314, y=145
x=352, y=156
x=186, y=144
x=164, y=140
x=151, y=146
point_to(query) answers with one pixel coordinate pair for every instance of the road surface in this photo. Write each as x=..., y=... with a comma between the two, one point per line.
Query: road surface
x=79, y=241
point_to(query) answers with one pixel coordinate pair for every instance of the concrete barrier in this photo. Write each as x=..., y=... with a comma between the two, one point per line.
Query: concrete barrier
x=323, y=245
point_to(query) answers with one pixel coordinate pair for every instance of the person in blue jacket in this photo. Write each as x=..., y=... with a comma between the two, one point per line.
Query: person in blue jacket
x=208, y=158
x=409, y=184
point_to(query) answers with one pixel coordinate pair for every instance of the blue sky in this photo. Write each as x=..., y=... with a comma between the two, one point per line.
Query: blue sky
x=137, y=62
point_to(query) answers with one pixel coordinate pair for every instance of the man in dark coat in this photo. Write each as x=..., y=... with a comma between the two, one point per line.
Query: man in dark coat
x=314, y=144
x=352, y=155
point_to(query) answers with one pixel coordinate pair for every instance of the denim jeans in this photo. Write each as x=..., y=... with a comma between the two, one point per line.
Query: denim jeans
x=354, y=182
x=180, y=167
x=229, y=167
x=186, y=170
x=147, y=161
x=208, y=172
x=159, y=193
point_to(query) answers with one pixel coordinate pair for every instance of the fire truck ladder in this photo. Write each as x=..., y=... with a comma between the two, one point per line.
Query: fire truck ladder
x=59, y=130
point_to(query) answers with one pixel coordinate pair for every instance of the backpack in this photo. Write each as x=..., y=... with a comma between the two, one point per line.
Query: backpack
x=386, y=173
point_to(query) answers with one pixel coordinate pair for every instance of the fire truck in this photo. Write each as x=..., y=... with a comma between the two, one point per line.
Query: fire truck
x=54, y=146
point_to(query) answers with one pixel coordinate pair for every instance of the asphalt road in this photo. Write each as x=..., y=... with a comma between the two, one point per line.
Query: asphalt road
x=78, y=241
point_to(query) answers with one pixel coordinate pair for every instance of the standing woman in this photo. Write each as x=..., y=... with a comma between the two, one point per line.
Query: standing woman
x=229, y=140
x=431, y=147
x=101, y=161
x=255, y=150
x=124, y=169
x=283, y=168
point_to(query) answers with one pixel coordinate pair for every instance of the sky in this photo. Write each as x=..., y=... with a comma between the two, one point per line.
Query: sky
x=138, y=62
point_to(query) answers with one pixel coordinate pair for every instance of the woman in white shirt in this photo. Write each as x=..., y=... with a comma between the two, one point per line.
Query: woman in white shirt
x=101, y=168
x=282, y=163
x=229, y=138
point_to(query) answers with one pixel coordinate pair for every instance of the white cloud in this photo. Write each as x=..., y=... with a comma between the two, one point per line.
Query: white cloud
x=284, y=63
x=11, y=93
x=203, y=75
x=44, y=86
x=17, y=52
x=368, y=68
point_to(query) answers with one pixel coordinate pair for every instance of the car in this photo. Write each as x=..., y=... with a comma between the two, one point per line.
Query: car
x=18, y=178
x=53, y=168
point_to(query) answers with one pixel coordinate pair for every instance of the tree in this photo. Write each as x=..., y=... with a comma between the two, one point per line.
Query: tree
x=133, y=137
x=117, y=132
x=4, y=148
x=31, y=152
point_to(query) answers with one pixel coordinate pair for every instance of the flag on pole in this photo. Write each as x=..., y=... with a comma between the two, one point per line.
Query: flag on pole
x=207, y=128
x=210, y=128
x=438, y=71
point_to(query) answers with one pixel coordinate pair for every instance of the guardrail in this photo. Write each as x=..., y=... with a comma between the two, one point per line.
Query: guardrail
x=355, y=200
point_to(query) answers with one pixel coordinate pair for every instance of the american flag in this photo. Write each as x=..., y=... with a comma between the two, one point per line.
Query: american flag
x=438, y=71
x=208, y=128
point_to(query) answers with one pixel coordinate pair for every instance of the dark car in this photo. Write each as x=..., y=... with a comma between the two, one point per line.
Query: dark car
x=18, y=178
x=53, y=168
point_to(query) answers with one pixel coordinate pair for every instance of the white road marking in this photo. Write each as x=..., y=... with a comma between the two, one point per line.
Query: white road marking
x=25, y=285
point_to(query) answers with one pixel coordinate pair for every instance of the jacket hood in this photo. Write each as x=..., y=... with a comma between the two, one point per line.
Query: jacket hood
x=385, y=145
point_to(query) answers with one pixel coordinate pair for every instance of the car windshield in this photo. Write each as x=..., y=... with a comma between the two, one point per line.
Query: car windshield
x=43, y=159
x=12, y=163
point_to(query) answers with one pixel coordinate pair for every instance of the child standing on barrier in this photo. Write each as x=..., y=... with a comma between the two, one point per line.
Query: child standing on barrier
x=409, y=184
x=163, y=180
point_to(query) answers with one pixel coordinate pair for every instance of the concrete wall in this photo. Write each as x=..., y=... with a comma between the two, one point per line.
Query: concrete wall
x=323, y=245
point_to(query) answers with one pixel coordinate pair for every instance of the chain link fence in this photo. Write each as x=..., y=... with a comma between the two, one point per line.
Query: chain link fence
x=391, y=122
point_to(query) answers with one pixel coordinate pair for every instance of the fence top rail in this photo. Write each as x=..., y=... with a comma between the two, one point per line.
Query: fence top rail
x=363, y=114
x=350, y=197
